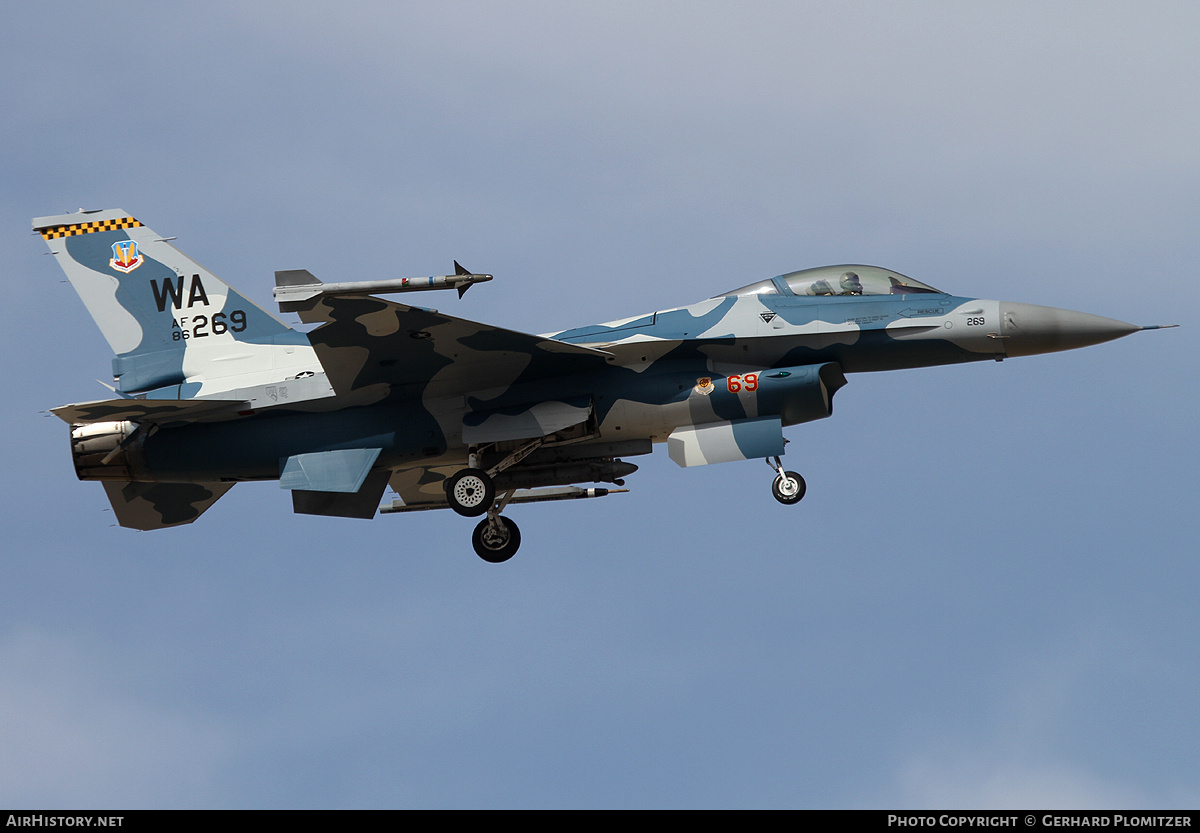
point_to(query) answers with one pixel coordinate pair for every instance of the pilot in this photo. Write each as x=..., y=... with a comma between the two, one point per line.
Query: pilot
x=850, y=284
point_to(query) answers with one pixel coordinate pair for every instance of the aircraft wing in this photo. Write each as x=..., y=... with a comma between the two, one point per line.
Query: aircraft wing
x=366, y=342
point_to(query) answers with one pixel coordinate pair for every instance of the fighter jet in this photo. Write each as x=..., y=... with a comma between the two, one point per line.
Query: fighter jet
x=211, y=390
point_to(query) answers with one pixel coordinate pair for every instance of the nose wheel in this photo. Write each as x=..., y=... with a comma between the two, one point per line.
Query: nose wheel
x=789, y=487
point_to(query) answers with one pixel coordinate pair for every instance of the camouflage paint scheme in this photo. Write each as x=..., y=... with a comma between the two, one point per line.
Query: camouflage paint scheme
x=212, y=390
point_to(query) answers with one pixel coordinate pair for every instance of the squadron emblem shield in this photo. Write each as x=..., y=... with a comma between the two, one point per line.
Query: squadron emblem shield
x=125, y=256
x=705, y=386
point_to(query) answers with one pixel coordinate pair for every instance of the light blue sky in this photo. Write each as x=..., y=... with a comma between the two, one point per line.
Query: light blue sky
x=988, y=596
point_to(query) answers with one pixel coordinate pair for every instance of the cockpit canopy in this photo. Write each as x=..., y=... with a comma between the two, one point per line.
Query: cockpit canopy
x=837, y=280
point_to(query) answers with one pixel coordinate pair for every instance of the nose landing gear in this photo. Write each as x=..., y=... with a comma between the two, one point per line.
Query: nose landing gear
x=789, y=487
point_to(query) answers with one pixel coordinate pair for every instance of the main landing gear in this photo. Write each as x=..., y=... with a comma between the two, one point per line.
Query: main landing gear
x=496, y=539
x=471, y=492
x=789, y=487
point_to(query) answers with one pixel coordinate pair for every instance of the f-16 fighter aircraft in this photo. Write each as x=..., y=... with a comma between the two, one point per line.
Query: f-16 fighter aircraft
x=211, y=390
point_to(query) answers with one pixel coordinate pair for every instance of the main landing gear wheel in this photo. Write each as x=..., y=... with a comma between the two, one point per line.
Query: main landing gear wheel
x=788, y=487
x=470, y=492
x=496, y=541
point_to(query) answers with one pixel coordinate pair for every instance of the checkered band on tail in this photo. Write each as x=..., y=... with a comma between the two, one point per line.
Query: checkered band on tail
x=87, y=228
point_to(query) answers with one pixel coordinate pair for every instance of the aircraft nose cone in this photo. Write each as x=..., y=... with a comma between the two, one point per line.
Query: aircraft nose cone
x=1029, y=329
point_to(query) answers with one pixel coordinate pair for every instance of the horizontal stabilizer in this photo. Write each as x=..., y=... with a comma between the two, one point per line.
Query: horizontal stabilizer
x=160, y=505
x=150, y=410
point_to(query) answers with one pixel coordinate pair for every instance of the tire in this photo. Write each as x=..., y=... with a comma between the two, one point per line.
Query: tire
x=496, y=547
x=470, y=492
x=789, y=488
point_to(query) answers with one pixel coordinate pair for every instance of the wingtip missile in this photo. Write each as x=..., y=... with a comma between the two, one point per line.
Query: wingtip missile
x=466, y=278
x=299, y=286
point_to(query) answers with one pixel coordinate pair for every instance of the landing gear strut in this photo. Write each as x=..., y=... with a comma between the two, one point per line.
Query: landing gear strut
x=789, y=487
x=471, y=492
x=496, y=538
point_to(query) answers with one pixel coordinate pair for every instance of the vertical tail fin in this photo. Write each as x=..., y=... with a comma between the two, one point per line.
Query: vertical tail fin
x=178, y=330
